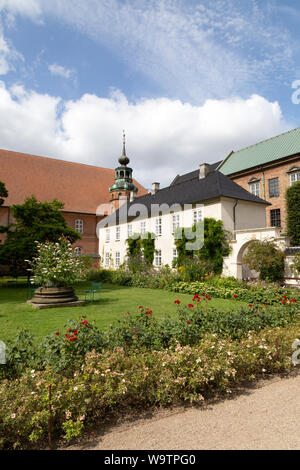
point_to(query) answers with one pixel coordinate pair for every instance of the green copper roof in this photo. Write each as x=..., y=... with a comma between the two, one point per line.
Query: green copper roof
x=264, y=152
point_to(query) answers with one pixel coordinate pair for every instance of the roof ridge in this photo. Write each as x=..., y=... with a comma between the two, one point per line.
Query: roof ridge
x=54, y=159
x=266, y=140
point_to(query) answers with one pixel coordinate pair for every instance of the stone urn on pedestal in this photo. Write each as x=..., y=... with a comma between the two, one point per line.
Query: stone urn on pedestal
x=55, y=268
x=51, y=297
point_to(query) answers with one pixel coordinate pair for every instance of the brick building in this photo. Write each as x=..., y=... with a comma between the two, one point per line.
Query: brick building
x=267, y=169
x=82, y=188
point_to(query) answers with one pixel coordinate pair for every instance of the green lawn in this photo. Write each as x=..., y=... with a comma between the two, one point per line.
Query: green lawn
x=16, y=314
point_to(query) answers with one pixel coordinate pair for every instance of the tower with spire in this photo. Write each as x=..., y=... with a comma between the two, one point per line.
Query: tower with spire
x=123, y=185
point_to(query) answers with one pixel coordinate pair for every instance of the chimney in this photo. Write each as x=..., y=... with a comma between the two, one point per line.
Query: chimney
x=132, y=196
x=155, y=188
x=204, y=170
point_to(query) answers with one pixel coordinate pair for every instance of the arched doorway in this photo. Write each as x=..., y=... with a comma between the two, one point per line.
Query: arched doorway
x=246, y=274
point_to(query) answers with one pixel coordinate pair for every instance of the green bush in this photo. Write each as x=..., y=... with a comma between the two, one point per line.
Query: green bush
x=293, y=213
x=267, y=259
x=268, y=294
x=98, y=275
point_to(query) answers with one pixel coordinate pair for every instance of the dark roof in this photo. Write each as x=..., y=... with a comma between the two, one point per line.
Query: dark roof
x=196, y=190
x=193, y=174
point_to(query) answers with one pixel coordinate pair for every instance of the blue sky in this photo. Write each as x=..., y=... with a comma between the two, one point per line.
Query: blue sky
x=189, y=80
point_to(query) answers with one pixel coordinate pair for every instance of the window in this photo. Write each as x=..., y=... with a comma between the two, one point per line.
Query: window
x=78, y=250
x=129, y=231
x=197, y=216
x=157, y=258
x=255, y=188
x=275, y=218
x=143, y=227
x=118, y=233
x=294, y=177
x=175, y=254
x=158, y=230
x=107, y=260
x=274, y=187
x=107, y=235
x=176, y=222
x=117, y=259
x=79, y=226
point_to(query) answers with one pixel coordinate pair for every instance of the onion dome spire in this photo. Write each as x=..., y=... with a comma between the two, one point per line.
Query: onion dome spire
x=124, y=160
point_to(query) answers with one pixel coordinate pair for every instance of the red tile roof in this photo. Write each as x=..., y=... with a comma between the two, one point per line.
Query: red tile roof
x=81, y=187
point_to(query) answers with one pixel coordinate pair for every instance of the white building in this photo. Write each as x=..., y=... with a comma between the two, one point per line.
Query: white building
x=201, y=194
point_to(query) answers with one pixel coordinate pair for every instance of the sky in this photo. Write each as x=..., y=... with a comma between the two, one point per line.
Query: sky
x=188, y=80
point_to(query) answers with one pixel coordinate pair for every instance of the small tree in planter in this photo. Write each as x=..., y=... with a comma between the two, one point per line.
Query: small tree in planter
x=55, y=268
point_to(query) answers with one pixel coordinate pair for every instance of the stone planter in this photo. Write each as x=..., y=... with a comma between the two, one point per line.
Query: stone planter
x=52, y=297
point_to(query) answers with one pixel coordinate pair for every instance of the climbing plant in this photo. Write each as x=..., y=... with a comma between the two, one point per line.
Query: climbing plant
x=293, y=213
x=214, y=248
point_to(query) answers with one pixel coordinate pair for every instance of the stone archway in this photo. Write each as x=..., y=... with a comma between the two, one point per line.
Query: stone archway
x=246, y=273
x=233, y=264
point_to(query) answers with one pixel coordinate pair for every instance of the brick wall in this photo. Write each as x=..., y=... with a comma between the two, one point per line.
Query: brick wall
x=89, y=241
x=264, y=174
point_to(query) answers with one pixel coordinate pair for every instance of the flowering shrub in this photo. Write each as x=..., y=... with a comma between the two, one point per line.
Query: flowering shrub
x=269, y=294
x=56, y=264
x=124, y=378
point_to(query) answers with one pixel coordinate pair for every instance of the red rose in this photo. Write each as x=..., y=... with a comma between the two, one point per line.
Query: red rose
x=188, y=322
x=250, y=305
x=177, y=302
x=191, y=306
x=57, y=333
x=235, y=296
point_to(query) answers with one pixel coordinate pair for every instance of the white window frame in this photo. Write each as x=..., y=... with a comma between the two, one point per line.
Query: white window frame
x=157, y=258
x=118, y=233
x=254, y=188
x=117, y=259
x=294, y=177
x=129, y=230
x=78, y=251
x=143, y=227
x=176, y=221
x=158, y=226
x=107, y=259
x=79, y=226
x=197, y=216
x=175, y=254
x=107, y=235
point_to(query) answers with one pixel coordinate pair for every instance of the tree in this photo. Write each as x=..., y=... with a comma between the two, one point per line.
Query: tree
x=35, y=221
x=293, y=213
x=215, y=247
x=3, y=194
x=267, y=259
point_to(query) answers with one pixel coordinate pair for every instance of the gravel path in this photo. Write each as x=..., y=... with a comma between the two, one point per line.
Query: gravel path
x=266, y=416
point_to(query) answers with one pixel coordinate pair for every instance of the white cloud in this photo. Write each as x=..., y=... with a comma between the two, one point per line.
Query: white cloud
x=192, y=50
x=60, y=71
x=164, y=137
x=8, y=54
x=29, y=8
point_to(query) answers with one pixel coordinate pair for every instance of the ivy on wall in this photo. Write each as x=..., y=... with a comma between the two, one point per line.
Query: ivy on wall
x=293, y=213
x=215, y=244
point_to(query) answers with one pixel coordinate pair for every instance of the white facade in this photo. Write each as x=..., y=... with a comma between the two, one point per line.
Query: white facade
x=236, y=215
